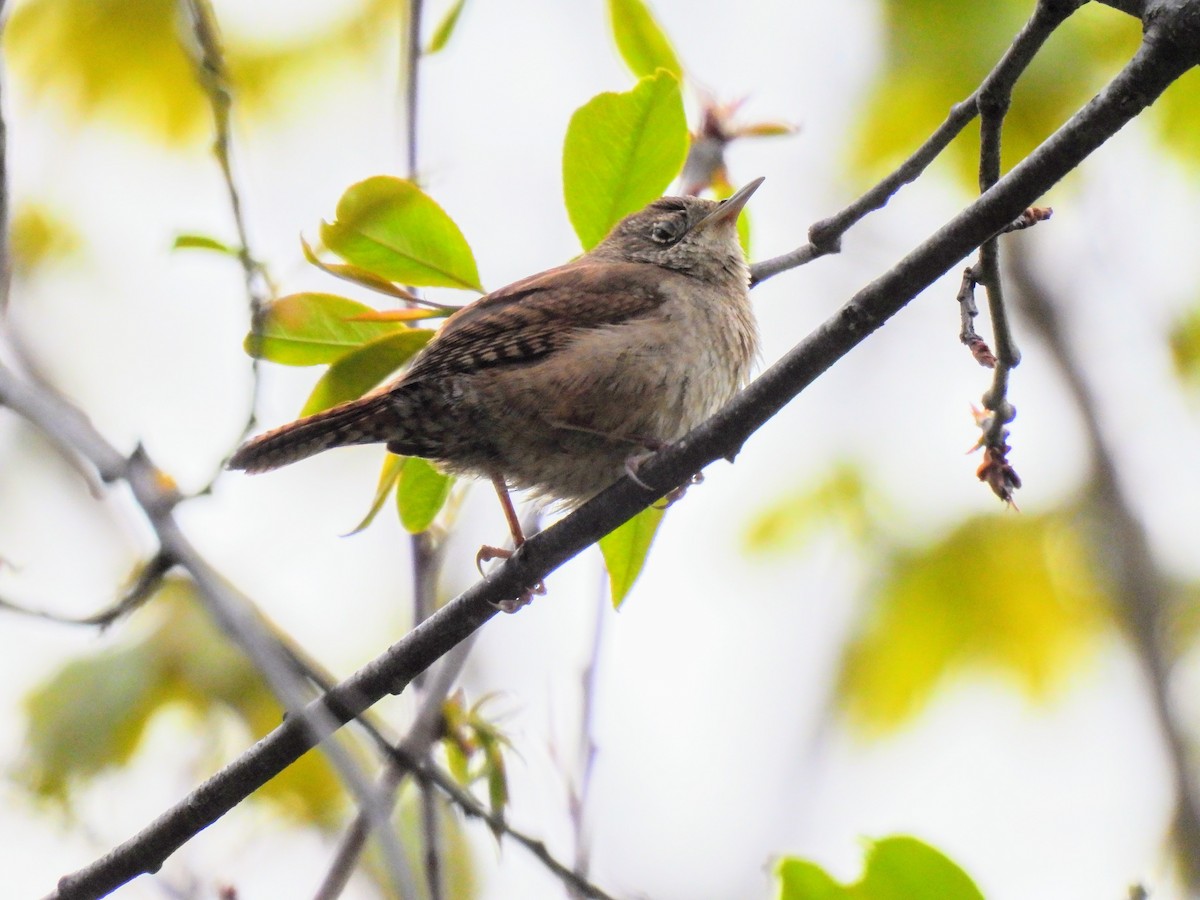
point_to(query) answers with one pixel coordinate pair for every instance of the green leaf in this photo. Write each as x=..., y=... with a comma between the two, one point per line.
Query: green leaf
x=355, y=373
x=421, y=494
x=1017, y=595
x=311, y=329
x=390, y=474
x=621, y=152
x=642, y=43
x=441, y=34
x=625, y=549
x=390, y=227
x=897, y=868
x=201, y=242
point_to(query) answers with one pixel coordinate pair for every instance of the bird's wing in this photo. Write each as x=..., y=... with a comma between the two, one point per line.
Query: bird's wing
x=538, y=315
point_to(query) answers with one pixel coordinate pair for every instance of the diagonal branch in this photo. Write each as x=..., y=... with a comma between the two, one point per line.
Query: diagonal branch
x=1165, y=54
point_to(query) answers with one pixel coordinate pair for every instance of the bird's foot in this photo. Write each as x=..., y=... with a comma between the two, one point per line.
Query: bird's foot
x=634, y=461
x=486, y=554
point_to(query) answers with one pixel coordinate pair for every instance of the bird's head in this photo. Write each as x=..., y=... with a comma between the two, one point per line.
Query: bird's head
x=687, y=234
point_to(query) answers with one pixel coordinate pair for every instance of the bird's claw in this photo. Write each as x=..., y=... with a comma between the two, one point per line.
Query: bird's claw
x=486, y=554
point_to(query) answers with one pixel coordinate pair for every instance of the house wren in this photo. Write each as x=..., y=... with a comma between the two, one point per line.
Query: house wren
x=559, y=383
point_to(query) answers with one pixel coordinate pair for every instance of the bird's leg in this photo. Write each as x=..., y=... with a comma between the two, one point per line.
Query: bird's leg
x=487, y=552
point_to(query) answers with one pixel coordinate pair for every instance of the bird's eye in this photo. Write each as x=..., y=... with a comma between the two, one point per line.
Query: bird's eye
x=664, y=231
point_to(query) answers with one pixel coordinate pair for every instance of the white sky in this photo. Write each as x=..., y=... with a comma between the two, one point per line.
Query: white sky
x=715, y=750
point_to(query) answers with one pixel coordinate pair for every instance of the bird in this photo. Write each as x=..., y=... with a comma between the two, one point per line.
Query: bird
x=561, y=383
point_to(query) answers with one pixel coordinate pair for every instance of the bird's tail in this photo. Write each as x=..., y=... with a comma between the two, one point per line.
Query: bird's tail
x=367, y=420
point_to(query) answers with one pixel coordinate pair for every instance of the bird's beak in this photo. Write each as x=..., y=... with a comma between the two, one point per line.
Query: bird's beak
x=730, y=207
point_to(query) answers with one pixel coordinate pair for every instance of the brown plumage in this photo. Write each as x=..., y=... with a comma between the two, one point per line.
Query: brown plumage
x=554, y=383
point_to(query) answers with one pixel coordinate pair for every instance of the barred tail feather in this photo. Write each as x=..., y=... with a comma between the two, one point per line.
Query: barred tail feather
x=366, y=421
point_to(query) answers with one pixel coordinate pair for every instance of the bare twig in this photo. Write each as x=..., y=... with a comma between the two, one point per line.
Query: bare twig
x=212, y=75
x=1028, y=219
x=994, y=97
x=581, y=788
x=148, y=581
x=967, y=311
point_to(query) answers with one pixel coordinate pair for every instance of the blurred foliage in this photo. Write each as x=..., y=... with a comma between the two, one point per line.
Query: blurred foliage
x=1014, y=594
x=897, y=868
x=1185, y=347
x=622, y=150
x=474, y=748
x=640, y=40
x=38, y=236
x=840, y=500
x=625, y=549
x=124, y=61
x=90, y=716
x=911, y=96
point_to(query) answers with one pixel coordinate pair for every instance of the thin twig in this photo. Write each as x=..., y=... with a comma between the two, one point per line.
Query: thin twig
x=144, y=587
x=994, y=98
x=213, y=77
x=967, y=311
x=588, y=684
